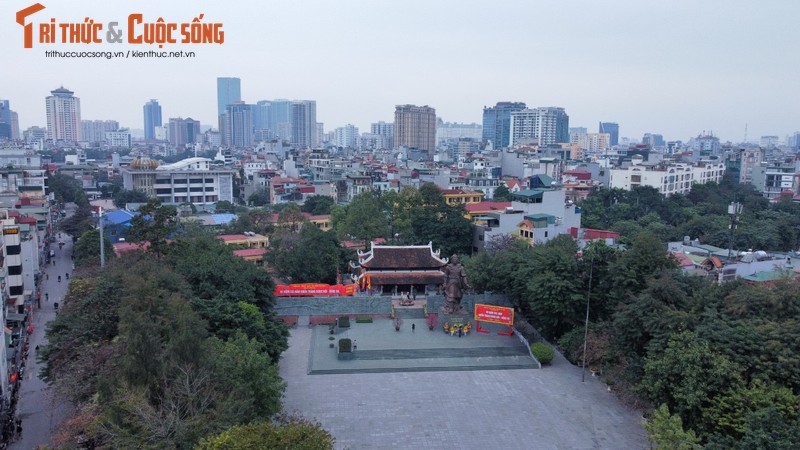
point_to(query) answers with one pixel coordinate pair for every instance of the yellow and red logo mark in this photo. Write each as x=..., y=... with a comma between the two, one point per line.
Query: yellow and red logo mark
x=139, y=31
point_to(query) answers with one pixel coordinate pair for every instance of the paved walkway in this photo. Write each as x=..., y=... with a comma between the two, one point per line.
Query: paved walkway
x=39, y=408
x=506, y=409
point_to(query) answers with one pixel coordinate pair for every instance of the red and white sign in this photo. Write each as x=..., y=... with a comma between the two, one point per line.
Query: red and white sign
x=494, y=314
x=314, y=290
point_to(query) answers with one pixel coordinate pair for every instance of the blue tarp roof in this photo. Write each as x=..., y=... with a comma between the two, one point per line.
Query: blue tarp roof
x=119, y=216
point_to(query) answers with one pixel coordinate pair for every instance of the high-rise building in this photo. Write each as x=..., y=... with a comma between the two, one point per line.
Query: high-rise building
x=229, y=90
x=546, y=125
x=612, y=129
x=497, y=122
x=238, y=130
x=5, y=120
x=346, y=136
x=415, y=127
x=653, y=140
x=183, y=131
x=304, y=124
x=95, y=130
x=261, y=115
x=63, y=116
x=152, y=119
x=280, y=118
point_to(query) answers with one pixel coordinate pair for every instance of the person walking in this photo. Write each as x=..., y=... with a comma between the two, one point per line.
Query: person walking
x=413, y=327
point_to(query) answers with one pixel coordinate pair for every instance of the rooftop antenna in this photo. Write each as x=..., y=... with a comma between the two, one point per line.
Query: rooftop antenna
x=745, y=132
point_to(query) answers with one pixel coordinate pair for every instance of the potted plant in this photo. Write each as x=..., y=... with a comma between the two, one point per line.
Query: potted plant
x=432, y=321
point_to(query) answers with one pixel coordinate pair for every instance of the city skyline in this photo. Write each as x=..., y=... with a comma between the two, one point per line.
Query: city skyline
x=660, y=69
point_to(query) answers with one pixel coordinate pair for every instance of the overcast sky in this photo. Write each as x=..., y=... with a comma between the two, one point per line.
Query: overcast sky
x=671, y=67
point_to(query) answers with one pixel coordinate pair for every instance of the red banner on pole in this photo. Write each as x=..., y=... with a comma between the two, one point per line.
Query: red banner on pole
x=494, y=314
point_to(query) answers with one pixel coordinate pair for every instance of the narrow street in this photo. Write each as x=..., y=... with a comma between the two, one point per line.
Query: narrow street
x=40, y=410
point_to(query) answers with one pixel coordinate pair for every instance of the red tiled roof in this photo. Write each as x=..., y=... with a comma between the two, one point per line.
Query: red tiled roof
x=307, y=189
x=359, y=244
x=28, y=220
x=123, y=247
x=487, y=206
x=579, y=174
x=406, y=277
x=591, y=234
x=402, y=257
x=683, y=260
x=245, y=252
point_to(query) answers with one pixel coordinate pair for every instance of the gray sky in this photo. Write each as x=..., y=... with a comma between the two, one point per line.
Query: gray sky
x=670, y=67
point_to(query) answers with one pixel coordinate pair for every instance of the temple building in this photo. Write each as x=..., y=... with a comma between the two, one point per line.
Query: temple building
x=391, y=269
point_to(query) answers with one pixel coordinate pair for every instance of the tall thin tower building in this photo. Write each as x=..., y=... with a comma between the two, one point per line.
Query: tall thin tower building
x=229, y=91
x=304, y=124
x=415, y=127
x=63, y=116
x=152, y=119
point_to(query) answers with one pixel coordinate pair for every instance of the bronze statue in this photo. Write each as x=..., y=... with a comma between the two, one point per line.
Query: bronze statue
x=455, y=281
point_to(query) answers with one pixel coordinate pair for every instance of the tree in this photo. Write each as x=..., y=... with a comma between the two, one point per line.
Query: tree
x=257, y=199
x=318, y=205
x=365, y=219
x=687, y=377
x=665, y=432
x=224, y=206
x=502, y=194
x=155, y=223
x=87, y=249
x=310, y=256
x=123, y=197
x=79, y=223
x=293, y=433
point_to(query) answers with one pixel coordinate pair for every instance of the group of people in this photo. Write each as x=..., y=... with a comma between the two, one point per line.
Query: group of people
x=457, y=329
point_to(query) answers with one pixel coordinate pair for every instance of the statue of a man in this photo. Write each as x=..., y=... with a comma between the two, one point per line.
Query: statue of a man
x=455, y=281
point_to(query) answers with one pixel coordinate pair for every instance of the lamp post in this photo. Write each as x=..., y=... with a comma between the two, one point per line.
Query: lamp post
x=586, y=322
x=102, y=244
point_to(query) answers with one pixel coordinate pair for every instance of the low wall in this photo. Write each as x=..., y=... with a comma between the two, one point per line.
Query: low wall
x=327, y=309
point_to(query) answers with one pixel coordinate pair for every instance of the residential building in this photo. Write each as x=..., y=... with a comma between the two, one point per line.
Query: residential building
x=455, y=197
x=9, y=122
x=452, y=131
x=120, y=138
x=304, y=124
x=238, y=129
x=653, y=140
x=63, y=116
x=246, y=240
x=774, y=177
x=613, y=131
x=415, y=127
x=497, y=122
x=346, y=136
x=706, y=145
x=192, y=180
x=94, y=131
x=667, y=178
x=229, y=90
x=182, y=131
x=769, y=142
x=546, y=126
x=535, y=215
x=35, y=135
x=152, y=119
x=280, y=118
x=591, y=141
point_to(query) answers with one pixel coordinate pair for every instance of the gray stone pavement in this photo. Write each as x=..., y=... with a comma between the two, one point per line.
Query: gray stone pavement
x=39, y=408
x=547, y=408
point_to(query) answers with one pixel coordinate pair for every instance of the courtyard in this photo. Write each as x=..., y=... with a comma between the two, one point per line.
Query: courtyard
x=524, y=408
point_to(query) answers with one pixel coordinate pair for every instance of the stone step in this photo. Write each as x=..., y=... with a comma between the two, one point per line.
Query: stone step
x=439, y=365
x=427, y=353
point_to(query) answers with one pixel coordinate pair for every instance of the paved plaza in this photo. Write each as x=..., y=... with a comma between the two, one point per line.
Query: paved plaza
x=545, y=408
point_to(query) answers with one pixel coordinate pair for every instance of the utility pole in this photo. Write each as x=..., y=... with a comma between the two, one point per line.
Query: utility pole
x=734, y=209
x=102, y=244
